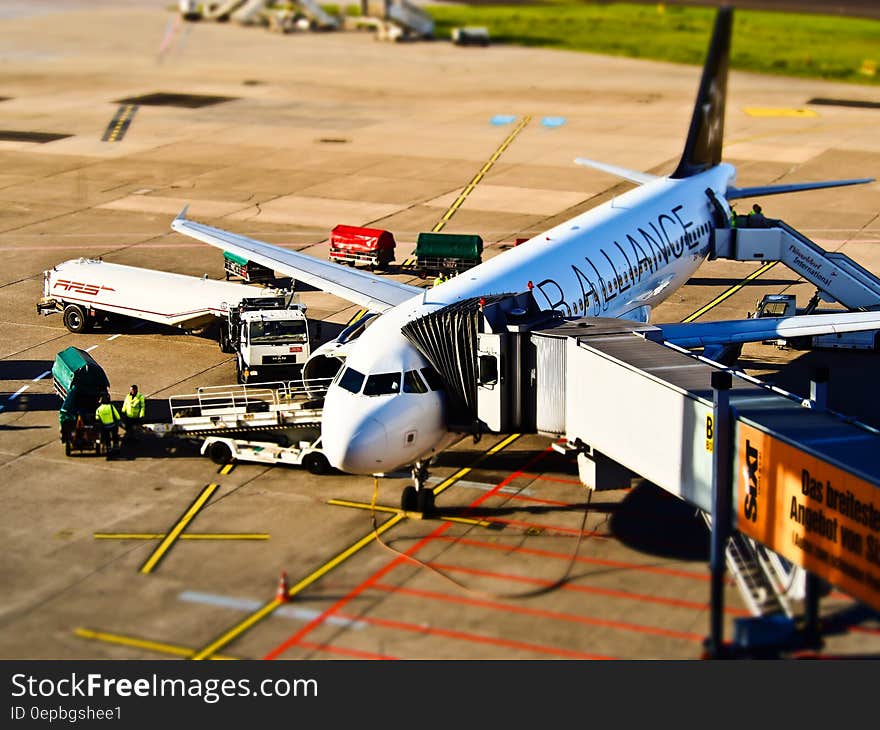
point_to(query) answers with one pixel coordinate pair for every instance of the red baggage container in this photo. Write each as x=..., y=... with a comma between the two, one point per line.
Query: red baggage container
x=353, y=245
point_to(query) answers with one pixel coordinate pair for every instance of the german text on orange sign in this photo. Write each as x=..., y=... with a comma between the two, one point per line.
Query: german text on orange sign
x=814, y=514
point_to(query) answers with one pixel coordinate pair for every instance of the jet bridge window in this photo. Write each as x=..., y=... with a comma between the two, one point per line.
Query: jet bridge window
x=382, y=384
x=351, y=380
x=412, y=383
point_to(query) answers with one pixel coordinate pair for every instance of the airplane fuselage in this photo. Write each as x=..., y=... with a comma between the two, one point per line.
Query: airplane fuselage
x=619, y=259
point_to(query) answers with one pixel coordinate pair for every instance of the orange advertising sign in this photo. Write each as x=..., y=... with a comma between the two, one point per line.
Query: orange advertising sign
x=816, y=515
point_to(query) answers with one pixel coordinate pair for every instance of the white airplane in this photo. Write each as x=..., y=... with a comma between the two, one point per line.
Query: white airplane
x=387, y=406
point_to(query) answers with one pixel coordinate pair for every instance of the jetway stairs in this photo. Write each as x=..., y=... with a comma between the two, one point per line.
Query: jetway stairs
x=766, y=587
x=836, y=275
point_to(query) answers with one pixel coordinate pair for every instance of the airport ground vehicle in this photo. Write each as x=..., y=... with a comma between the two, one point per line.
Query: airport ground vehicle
x=370, y=246
x=785, y=305
x=447, y=253
x=222, y=450
x=269, y=423
x=265, y=327
x=249, y=271
x=80, y=382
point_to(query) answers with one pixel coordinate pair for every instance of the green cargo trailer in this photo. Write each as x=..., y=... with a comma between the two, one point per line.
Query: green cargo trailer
x=79, y=382
x=447, y=253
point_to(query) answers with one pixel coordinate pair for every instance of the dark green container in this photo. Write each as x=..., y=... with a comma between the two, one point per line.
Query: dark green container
x=449, y=246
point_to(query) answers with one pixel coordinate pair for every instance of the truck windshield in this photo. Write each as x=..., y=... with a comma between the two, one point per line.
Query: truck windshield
x=275, y=332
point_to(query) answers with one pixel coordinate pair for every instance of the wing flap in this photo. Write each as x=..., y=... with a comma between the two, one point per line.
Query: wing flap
x=367, y=290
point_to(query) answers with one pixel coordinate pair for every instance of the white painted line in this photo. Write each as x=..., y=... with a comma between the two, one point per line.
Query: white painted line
x=248, y=605
x=112, y=337
x=42, y=375
x=18, y=392
x=89, y=349
x=483, y=486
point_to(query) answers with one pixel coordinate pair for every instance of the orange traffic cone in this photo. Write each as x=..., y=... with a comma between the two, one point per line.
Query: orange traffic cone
x=282, y=594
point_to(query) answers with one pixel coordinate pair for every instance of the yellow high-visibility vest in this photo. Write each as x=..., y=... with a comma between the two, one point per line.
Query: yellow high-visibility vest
x=133, y=406
x=107, y=414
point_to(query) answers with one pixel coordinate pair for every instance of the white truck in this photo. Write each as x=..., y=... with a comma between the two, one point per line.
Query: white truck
x=785, y=305
x=266, y=328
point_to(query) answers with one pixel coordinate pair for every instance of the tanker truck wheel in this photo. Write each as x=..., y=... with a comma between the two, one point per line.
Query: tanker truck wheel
x=75, y=319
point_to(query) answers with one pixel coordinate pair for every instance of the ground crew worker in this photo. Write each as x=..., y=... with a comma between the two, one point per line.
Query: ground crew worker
x=108, y=419
x=756, y=217
x=133, y=410
x=441, y=277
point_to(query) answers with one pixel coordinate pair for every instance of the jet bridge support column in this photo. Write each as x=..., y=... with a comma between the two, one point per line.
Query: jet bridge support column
x=811, y=630
x=721, y=507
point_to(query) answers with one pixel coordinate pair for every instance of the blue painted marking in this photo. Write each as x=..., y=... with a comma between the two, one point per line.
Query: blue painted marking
x=501, y=119
x=553, y=122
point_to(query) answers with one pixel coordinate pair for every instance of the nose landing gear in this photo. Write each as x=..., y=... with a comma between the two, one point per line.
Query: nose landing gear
x=418, y=497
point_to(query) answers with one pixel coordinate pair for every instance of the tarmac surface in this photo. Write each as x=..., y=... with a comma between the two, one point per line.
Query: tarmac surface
x=321, y=129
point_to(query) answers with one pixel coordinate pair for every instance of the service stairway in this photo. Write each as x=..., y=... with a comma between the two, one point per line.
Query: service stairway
x=836, y=275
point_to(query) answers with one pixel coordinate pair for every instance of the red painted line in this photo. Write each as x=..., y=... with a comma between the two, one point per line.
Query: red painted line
x=355, y=592
x=592, y=590
x=478, y=638
x=675, y=572
x=539, y=613
x=345, y=652
x=864, y=630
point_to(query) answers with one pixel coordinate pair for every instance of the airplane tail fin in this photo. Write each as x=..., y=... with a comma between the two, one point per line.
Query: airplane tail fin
x=703, y=147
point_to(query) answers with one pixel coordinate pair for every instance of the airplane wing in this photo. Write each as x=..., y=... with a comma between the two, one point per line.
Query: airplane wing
x=708, y=334
x=367, y=290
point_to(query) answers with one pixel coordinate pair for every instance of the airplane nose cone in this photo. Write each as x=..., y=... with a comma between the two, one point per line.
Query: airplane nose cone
x=361, y=450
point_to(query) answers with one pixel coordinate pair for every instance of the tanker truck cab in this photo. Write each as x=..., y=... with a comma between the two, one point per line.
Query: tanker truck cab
x=273, y=344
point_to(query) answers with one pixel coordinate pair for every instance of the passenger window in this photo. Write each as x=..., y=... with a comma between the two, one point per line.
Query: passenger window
x=351, y=380
x=432, y=378
x=412, y=383
x=383, y=384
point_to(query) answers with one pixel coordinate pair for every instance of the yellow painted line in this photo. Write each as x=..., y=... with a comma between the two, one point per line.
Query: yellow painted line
x=268, y=608
x=355, y=317
x=184, y=536
x=175, y=531
x=227, y=468
x=479, y=176
x=730, y=292
x=398, y=511
x=156, y=646
x=779, y=112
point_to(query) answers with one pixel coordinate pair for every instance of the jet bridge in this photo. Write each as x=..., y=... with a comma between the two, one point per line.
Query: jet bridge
x=835, y=274
x=804, y=483
x=631, y=406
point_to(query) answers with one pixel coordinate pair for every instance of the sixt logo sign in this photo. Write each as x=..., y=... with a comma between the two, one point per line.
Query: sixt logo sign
x=80, y=288
x=750, y=505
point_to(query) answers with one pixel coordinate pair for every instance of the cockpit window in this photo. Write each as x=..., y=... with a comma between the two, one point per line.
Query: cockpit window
x=351, y=380
x=382, y=384
x=433, y=380
x=412, y=383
